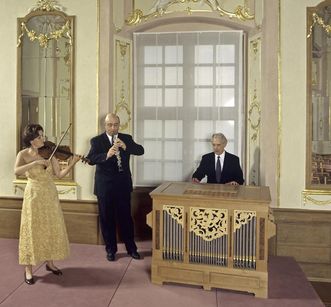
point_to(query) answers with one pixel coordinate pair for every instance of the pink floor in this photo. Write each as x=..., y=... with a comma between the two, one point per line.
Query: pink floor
x=90, y=280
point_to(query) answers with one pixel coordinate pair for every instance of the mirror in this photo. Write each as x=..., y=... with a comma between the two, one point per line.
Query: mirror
x=45, y=72
x=318, y=175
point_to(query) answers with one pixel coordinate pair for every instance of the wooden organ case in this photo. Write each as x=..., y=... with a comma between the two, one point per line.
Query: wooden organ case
x=211, y=235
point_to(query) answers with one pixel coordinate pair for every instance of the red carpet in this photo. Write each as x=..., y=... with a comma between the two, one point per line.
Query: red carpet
x=90, y=280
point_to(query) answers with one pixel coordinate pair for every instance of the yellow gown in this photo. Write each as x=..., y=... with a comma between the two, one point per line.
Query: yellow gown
x=43, y=235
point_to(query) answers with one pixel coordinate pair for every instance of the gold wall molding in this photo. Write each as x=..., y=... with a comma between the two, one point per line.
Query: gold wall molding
x=317, y=20
x=254, y=110
x=47, y=5
x=162, y=8
x=254, y=116
x=122, y=97
x=44, y=38
x=316, y=199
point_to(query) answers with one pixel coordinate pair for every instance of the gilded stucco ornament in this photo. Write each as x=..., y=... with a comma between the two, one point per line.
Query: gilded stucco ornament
x=123, y=111
x=317, y=198
x=317, y=20
x=47, y=5
x=254, y=116
x=164, y=7
x=52, y=33
x=44, y=38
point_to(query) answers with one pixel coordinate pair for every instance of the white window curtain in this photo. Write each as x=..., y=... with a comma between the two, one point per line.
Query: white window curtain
x=188, y=85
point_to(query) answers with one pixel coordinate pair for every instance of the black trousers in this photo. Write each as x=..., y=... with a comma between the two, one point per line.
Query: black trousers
x=115, y=210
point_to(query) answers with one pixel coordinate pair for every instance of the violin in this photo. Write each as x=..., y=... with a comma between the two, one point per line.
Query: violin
x=62, y=152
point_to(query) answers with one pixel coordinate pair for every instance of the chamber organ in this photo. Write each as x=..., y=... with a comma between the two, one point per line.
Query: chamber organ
x=211, y=235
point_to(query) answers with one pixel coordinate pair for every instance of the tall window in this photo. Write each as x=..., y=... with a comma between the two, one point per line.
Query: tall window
x=188, y=86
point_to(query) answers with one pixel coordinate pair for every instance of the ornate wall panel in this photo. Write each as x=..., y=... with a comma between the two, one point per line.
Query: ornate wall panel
x=122, y=97
x=148, y=9
x=254, y=110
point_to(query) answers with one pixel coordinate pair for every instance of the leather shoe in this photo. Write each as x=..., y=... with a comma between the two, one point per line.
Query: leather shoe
x=29, y=281
x=111, y=256
x=134, y=255
x=56, y=272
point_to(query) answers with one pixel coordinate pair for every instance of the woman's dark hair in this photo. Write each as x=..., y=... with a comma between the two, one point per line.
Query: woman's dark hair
x=31, y=131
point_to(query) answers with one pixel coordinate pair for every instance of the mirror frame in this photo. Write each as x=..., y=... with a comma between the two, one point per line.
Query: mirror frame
x=43, y=8
x=309, y=88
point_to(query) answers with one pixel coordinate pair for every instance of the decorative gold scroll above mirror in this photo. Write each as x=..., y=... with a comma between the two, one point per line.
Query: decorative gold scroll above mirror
x=158, y=8
x=318, y=169
x=45, y=71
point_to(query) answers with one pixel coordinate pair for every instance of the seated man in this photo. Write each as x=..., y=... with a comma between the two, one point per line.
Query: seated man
x=219, y=166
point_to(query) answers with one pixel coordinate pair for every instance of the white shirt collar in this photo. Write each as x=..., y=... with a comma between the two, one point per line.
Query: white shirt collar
x=111, y=137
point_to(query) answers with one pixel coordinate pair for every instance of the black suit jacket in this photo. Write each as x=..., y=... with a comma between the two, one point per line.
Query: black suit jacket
x=231, y=169
x=107, y=178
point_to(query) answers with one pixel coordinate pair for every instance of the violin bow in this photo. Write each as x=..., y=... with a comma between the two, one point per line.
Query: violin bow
x=58, y=144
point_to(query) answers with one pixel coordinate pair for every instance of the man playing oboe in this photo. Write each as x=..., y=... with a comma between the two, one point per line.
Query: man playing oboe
x=110, y=152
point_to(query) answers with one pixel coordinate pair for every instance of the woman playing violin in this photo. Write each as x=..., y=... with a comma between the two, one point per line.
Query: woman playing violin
x=43, y=235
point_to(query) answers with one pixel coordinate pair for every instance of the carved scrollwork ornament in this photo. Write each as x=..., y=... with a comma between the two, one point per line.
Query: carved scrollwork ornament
x=44, y=38
x=317, y=20
x=242, y=217
x=176, y=212
x=47, y=6
x=163, y=7
x=210, y=224
x=254, y=116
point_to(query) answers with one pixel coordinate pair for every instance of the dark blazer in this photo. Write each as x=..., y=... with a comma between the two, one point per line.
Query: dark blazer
x=107, y=177
x=231, y=169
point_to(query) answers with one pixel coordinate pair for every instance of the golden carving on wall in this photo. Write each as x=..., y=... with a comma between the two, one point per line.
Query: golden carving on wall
x=51, y=33
x=254, y=116
x=44, y=38
x=176, y=212
x=123, y=48
x=163, y=7
x=242, y=217
x=46, y=5
x=122, y=83
x=318, y=198
x=317, y=20
x=209, y=223
x=122, y=109
x=254, y=110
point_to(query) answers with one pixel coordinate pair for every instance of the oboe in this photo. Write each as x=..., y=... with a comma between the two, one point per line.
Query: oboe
x=118, y=156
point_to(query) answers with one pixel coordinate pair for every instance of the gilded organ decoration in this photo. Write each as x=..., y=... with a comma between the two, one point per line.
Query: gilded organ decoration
x=176, y=212
x=173, y=242
x=163, y=7
x=208, y=223
x=242, y=217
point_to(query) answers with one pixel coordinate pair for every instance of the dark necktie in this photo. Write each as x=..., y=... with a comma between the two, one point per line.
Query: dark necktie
x=218, y=170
